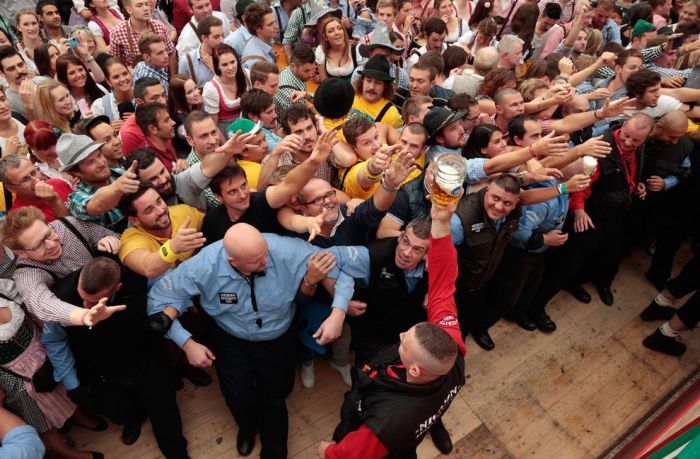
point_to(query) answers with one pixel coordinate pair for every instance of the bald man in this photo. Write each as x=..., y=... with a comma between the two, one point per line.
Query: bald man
x=592, y=251
x=665, y=173
x=248, y=283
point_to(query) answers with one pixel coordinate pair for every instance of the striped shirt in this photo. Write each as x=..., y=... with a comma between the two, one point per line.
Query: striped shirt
x=34, y=279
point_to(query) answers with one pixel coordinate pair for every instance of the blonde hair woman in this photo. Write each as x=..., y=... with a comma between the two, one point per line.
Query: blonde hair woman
x=55, y=105
x=335, y=56
x=594, y=42
x=27, y=25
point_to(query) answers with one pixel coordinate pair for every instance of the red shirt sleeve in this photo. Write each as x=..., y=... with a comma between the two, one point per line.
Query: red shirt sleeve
x=360, y=444
x=442, y=309
x=577, y=200
x=131, y=135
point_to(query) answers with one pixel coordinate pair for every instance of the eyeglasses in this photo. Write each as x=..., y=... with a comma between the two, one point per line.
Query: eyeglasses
x=30, y=179
x=321, y=199
x=50, y=235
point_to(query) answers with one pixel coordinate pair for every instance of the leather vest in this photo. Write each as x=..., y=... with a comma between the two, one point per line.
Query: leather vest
x=610, y=192
x=391, y=309
x=480, y=253
x=420, y=207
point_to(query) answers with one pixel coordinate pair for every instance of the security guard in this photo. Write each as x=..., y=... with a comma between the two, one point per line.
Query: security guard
x=247, y=283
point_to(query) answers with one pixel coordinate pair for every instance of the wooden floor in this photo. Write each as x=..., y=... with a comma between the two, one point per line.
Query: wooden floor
x=570, y=394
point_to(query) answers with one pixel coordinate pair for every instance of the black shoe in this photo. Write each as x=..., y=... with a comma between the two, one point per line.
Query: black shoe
x=131, y=433
x=101, y=426
x=580, y=294
x=524, y=321
x=657, y=281
x=659, y=342
x=657, y=312
x=483, y=339
x=606, y=296
x=245, y=445
x=196, y=376
x=441, y=437
x=545, y=323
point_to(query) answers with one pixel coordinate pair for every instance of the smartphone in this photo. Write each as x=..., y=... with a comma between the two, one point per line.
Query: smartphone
x=84, y=108
x=73, y=42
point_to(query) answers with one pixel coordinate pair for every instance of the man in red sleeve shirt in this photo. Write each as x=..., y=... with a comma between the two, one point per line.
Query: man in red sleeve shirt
x=397, y=399
x=32, y=188
x=600, y=212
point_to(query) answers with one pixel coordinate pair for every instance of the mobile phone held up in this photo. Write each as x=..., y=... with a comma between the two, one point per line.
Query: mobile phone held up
x=73, y=42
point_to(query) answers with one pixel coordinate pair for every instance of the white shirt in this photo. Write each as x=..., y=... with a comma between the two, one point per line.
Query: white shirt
x=19, y=135
x=666, y=104
x=188, y=37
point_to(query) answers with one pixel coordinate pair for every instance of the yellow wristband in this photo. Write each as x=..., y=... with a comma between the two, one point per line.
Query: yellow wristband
x=370, y=176
x=166, y=253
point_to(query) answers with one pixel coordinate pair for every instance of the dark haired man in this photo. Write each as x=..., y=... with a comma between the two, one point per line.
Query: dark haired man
x=259, y=208
x=190, y=36
x=50, y=18
x=263, y=29
x=198, y=62
x=374, y=92
x=146, y=90
x=125, y=383
x=435, y=31
x=292, y=80
x=20, y=88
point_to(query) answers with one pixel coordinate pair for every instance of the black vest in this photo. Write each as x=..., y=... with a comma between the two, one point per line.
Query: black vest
x=483, y=246
x=115, y=349
x=663, y=159
x=610, y=194
x=399, y=413
x=390, y=308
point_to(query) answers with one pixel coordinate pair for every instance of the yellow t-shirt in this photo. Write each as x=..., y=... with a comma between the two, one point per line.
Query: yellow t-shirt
x=332, y=124
x=252, y=172
x=692, y=127
x=136, y=238
x=352, y=187
x=392, y=117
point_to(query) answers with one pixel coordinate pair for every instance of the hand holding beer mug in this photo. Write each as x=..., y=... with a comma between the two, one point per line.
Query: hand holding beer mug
x=450, y=171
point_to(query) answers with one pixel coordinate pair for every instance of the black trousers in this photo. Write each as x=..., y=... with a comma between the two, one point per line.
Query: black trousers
x=672, y=218
x=688, y=281
x=592, y=255
x=515, y=284
x=150, y=396
x=256, y=378
x=471, y=310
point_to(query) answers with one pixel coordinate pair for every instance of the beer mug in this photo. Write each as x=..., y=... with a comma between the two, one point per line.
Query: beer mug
x=450, y=171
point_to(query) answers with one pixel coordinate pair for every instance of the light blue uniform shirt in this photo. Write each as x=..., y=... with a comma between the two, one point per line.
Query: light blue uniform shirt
x=226, y=295
x=237, y=39
x=202, y=73
x=22, y=442
x=256, y=47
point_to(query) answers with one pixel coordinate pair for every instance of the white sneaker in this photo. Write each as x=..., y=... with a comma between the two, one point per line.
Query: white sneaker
x=307, y=374
x=344, y=372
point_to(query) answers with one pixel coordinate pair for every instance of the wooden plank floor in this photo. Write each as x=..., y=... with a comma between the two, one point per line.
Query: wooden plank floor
x=570, y=394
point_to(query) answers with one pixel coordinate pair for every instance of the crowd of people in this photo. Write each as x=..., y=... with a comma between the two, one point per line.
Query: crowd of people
x=361, y=184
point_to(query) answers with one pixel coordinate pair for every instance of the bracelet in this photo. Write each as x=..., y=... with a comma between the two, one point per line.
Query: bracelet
x=90, y=60
x=166, y=253
x=561, y=188
x=307, y=283
x=387, y=187
x=372, y=177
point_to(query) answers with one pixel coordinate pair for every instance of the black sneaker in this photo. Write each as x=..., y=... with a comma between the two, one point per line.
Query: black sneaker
x=657, y=312
x=131, y=433
x=659, y=342
x=441, y=437
x=544, y=323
